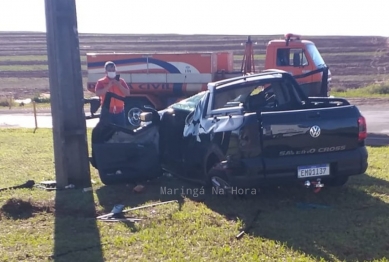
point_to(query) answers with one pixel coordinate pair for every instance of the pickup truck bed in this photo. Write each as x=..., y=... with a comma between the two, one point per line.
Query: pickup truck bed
x=297, y=145
x=302, y=145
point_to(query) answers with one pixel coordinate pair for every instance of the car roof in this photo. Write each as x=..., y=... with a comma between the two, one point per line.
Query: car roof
x=264, y=75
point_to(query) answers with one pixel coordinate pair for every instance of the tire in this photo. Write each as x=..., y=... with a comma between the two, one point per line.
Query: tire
x=134, y=107
x=216, y=180
x=212, y=156
x=337, y=181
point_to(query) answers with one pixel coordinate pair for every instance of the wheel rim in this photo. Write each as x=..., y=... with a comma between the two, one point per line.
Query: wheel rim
x=134, y=116
x=220, y=183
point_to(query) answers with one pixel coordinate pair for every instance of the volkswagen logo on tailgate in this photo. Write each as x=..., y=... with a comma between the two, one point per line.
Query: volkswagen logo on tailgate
x=314, y=131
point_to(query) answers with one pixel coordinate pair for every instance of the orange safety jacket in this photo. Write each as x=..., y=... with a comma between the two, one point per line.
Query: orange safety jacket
x=116, y=106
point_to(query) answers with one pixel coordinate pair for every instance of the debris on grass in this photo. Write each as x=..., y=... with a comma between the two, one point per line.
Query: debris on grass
x=139, y=189
x=118, y=209
x=28, y=184
x=248, y=225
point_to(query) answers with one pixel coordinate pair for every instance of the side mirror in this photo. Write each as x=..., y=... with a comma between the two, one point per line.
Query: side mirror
x=146, y=116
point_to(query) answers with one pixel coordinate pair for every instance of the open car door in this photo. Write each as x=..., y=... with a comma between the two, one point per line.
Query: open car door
x=123, y=155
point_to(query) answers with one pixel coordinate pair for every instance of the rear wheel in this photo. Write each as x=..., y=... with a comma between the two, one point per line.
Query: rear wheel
x=217, y=179
x=214, y=178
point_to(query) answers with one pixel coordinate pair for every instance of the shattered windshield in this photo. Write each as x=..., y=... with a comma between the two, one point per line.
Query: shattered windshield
x=190, y=103
x=315, y=55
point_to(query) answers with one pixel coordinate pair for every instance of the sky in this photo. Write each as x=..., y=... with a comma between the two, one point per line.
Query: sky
x=240, y=17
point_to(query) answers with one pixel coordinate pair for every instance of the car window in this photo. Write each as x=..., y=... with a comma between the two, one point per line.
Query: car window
x=291, y=57
x=189, y=103
x=262, y=98
x=253, y=97
x=315, y=55
x=233, y=96
x=275, y=96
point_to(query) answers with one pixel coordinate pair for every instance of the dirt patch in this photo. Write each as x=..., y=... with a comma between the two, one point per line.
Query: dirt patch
x=17, y=209
x=25, y=74
x=20, y=209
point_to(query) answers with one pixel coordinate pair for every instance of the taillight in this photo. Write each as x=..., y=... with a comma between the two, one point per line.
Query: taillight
x=362, y=133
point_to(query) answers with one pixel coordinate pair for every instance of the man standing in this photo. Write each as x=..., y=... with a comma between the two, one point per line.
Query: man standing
x=109, y=83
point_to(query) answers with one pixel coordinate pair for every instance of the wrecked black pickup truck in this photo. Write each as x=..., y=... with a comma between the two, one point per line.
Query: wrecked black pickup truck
x=259, y=130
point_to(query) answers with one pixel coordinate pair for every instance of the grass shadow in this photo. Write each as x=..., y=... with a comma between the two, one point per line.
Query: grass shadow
x=75, y=225
x=345, y=223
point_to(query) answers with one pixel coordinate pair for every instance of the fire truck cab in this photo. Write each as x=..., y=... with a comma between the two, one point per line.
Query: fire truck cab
x=302, y=59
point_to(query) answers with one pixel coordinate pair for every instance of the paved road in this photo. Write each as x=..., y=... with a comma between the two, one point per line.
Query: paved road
x=44, y=120
x=377, y=117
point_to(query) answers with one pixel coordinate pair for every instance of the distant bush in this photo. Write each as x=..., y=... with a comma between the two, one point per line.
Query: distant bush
x=379, y=89
x=374, y=90
x=5, y=102
x=41, y=99
x=339, y=89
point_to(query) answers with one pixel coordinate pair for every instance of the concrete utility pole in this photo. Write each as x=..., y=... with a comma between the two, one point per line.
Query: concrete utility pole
x=66, y=90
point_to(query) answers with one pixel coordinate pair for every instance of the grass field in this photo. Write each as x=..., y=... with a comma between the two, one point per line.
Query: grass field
x=371, y=91
x=36, y=224
x=354, y=61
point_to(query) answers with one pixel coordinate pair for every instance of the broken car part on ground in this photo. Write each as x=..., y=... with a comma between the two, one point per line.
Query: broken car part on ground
x=250, y=131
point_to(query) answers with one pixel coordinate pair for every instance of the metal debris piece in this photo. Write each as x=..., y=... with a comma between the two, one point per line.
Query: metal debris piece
x=113, y=219
x=136, y=208
x=138, y=189
x=87, y=189
x=117, y=209
x=248, y=226
x=51, y=185
x=48, y=185
x=117, y=216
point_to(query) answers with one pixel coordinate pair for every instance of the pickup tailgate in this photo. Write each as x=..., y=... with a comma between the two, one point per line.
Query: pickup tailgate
x=310, y=131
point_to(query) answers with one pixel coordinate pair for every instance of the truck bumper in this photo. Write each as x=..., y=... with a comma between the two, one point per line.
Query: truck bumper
x=281, y=171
